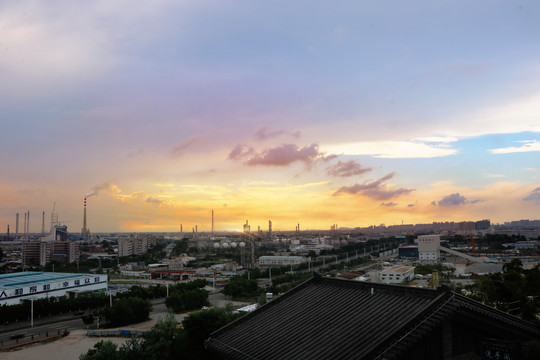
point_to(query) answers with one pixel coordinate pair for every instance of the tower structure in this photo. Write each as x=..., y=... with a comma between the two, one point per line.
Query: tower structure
x=84, y=230
x=212, y=221
x=54, y=219
x=16, y=225
x=269, y=230
x=43, y=225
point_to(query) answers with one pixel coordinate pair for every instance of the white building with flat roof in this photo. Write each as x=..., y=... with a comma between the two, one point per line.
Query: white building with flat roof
x=396, y=274
x=429, y=247
x=16, y=287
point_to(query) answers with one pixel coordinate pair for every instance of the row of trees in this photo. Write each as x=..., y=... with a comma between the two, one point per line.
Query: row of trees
x=187, y=296
x=61, y=305
x=167, y=340
x=514, y=290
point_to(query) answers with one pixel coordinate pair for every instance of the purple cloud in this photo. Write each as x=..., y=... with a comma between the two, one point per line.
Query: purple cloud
x=285, y=155
x=347, y=168
x=452, y=200
x=391, y=203
x=534, y=196
x=240, y=151
x=265, y=134
x=183, y=145
x=410, y=205
x=153, y=200
x=375, y=190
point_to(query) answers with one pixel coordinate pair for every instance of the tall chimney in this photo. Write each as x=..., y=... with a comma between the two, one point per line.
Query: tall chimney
x=212, y=221
x=17, y=225
x=181, y=228
x=83, y=230
x=43, y=225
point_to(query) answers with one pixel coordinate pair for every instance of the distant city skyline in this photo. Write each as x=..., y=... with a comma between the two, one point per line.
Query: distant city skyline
x=349, y=113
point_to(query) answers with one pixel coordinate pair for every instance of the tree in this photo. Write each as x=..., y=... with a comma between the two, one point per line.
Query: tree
x=103, y=350
x=241, y=287
x=133, y=349
x=165, y=340
x=199, y=325
x=514, y=265
x=127, y=311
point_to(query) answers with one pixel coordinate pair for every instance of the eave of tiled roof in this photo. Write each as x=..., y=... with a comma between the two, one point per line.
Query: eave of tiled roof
x=337, y=318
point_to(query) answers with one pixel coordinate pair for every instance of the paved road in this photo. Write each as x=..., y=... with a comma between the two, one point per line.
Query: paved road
x=54, y=325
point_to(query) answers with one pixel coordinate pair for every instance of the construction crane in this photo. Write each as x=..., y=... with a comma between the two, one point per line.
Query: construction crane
x=473, y=247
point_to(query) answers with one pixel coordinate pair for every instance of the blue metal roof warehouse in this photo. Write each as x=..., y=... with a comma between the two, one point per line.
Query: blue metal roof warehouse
x=16, y=287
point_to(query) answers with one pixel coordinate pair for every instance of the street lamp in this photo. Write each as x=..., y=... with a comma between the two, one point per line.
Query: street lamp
x=31, y=312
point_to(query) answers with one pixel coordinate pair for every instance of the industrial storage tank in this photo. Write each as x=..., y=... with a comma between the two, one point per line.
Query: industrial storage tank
x=233, y=245
x=242, y=244
x=225, y=245
x=216, y=245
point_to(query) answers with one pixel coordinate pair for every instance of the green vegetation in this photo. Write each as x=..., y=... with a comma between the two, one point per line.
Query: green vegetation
x=241, y=287
x=127, y=311
x=180, y=247
x=515, y=290
x=60, y=305
x=424, y=269
x=188, y=296
x=167, y=340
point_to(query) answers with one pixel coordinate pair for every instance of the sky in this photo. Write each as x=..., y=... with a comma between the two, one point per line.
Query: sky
x=316, y=113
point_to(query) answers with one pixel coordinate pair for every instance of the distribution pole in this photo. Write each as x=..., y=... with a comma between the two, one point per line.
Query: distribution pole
x=31, y=312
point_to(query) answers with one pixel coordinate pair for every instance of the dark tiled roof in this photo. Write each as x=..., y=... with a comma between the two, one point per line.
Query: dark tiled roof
x=343, y=319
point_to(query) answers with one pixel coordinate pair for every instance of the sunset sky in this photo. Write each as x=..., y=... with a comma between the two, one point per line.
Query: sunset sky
x=354, y=113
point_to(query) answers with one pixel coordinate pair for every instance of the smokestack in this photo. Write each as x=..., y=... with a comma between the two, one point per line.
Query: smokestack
x=8, y=232
x=43, y=225
x=24, y=226
x=181, y=228
x=17, y=225
x=212, y=221
x=196, y=230
x=83, y=230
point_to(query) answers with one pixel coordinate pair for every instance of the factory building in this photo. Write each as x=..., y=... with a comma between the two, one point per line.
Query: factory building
x=17, y=287
x=280, y=260
x=429, y=247
x=397, y=274
x=408, y=250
